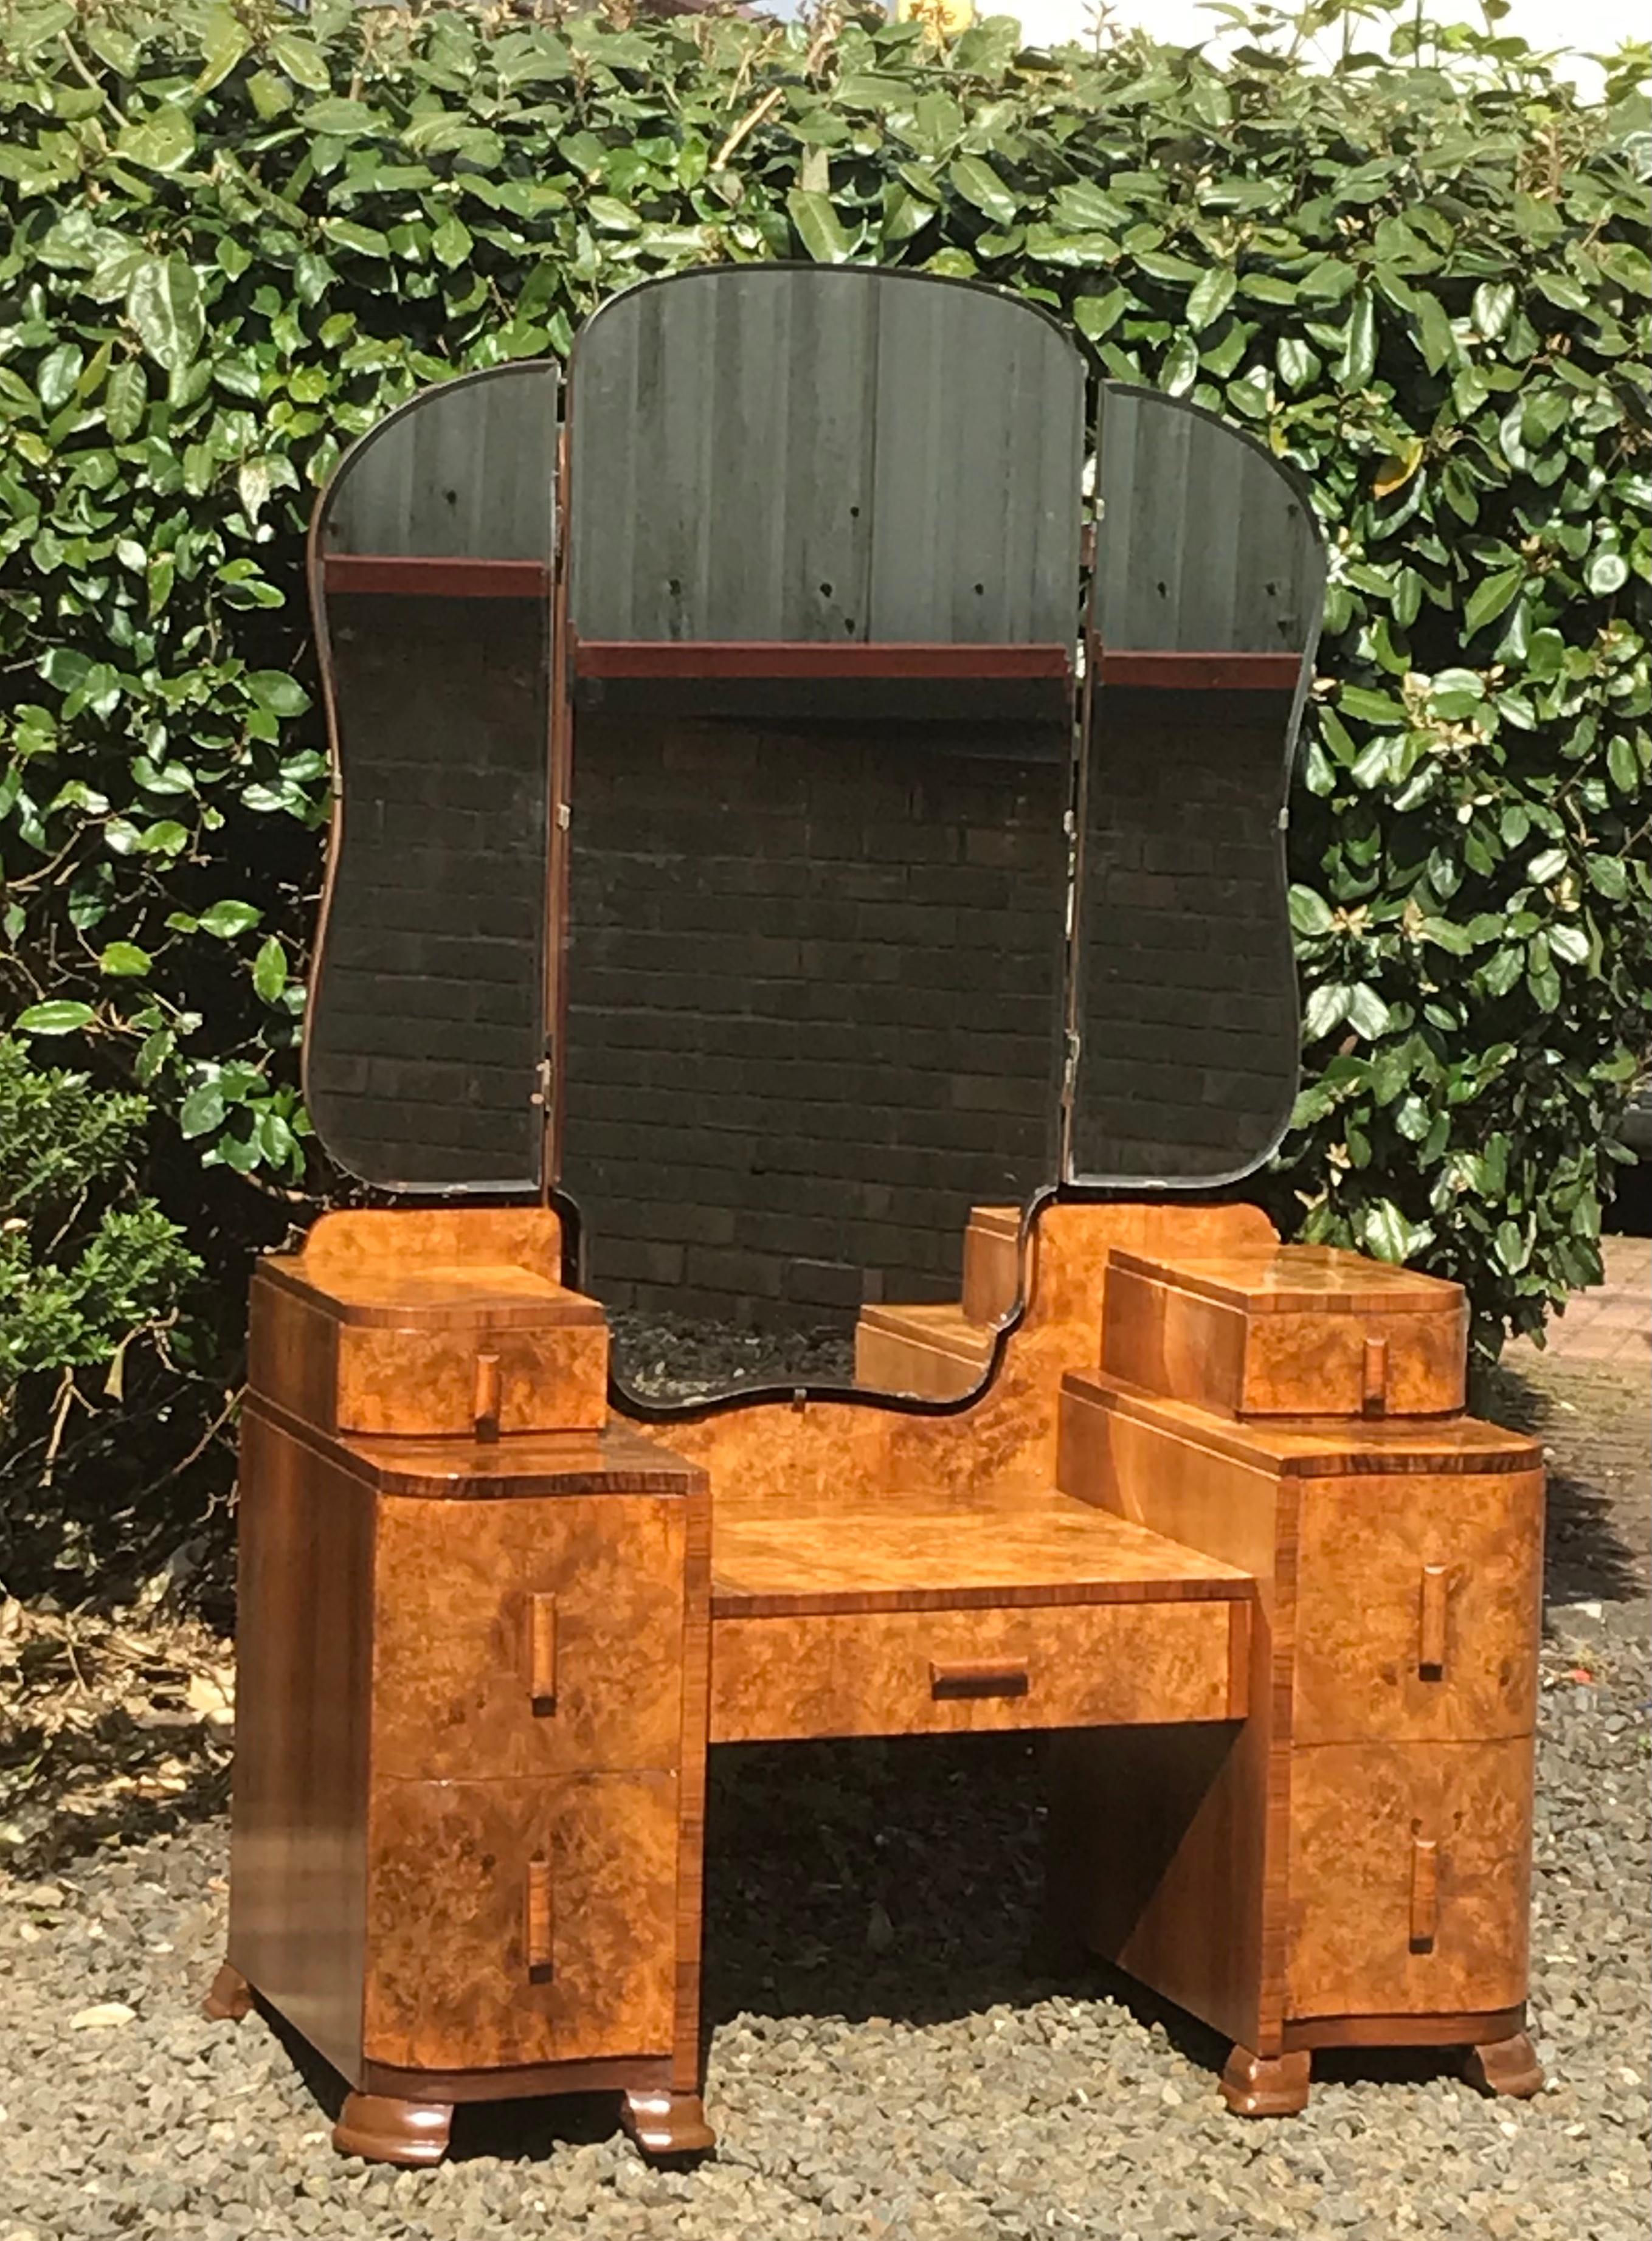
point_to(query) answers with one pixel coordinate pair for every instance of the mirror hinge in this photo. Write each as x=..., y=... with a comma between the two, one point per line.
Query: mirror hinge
x=540, y=1094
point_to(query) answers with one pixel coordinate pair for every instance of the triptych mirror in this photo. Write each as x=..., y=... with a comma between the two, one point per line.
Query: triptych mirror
x=778, y=816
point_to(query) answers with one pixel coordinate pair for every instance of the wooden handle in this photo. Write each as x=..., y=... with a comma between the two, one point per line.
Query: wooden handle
x=985, y=1676
x=485, y=1406
x=538, y=1922
x=1431, y=1622
x=540, y=1650
x=1376, y=1376
x=1425, y=1893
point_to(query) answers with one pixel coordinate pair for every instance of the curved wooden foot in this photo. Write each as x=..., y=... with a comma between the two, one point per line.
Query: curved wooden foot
x=231, y=1997
x=1508, y=2065
x=1265, y=2085
x=666, y=2123
x=388, y=2131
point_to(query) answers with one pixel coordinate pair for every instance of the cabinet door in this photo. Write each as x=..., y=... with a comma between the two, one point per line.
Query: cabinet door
x=1417, y=1608
x=534, y=1637
x=515, y=1922
x=1407, y=1879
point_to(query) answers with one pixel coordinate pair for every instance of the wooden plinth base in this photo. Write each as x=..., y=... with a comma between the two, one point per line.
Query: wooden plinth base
x=1265, y=2085
x=666, y=2123
x=231, y=1998
x=385, y=2131
x=1507, y=2066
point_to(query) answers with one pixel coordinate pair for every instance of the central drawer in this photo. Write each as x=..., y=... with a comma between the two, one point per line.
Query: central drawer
x=950, y=1672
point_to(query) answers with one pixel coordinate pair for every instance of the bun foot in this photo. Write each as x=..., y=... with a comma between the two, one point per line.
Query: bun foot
x=382, y=2131
x=1265, y=2085
x=231, y=1997
x=666, y=2123
x=1507, y=2066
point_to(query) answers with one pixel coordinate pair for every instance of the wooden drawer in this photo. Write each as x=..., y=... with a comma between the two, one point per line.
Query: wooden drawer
x=1418, y=1610
x=945, y=1672
x=528, y=1637
x=520, y=1922
x=428, y=1352
x=1408, y=1874
x=1286, y=1330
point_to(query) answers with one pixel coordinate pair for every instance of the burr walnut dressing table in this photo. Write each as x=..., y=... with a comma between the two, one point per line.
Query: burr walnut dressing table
x=754, y=896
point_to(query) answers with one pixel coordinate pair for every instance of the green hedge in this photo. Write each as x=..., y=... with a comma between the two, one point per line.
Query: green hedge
x=232, y=239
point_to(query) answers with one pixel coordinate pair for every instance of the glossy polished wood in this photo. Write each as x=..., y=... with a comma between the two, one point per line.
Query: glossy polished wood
x=1408, y=1870
x=1265, y=2085
x=991, y=1263
x=1288, y=1662
x=229, y=1999
x=1506, y=2066
x=1353, y=1867
x=1288, y=1330
x=428, y=1350
x=385, y=2131
x=873, y=1673
x=933, y=1353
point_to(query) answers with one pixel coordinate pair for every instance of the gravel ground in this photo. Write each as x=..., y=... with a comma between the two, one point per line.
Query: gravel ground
x=880, y=2063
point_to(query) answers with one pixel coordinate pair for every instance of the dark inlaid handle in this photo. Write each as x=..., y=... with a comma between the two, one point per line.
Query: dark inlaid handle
x=539, y=1650
x=981, y=1676
x=1425, y=1893
x=1433, y=1606
x=485, y=1404
x=538, y=1920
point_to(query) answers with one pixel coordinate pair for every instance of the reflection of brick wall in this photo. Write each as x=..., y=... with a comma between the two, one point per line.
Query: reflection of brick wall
x=428, y=1021
x=1187, y=995
x=814, y=998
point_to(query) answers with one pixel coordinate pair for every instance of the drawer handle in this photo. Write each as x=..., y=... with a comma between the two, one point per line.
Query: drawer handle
x=1425, y=1893
x=981, y=1676
x=1375, y=1398
x=539, y=1650
x=485, y=1399
x=1431, y=1624
x=538, y=1922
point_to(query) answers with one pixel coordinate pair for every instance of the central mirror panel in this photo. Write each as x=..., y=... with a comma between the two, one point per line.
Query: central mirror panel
x=823, y=570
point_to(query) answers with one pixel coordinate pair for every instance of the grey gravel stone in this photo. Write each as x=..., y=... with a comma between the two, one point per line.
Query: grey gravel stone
x=916, y=2087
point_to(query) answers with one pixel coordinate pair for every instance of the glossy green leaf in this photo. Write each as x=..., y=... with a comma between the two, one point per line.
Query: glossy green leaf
x=61, y=1016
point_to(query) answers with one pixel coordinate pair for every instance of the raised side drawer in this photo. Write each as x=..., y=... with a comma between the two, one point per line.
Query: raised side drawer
x=428, y=1353
x=1409, y=1867
x=529, y=1636
x=1291, y=1330
x=1418, y=1608
x=913, y=1673
x=520, y=1922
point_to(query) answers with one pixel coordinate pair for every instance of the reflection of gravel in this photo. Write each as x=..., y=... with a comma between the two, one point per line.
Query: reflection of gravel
x=881, y=2066
x=683, y=1358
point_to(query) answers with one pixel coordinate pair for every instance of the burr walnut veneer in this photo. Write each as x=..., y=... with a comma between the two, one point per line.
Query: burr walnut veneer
x=744, y=849
x=489, y=1629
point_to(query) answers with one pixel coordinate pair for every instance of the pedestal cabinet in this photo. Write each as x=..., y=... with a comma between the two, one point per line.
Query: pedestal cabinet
x=1353, y=1867
x=471, y=1723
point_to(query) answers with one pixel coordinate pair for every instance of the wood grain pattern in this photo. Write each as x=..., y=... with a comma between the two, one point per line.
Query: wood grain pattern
x=382, y=2129
x=1304, y=1447
x=688, y=1916
x=1005, y=1440
x=410, y=1352
x=1167, y=1848
x=298, y=1844
x=911, y=1552
x=452, y=1984
x=991, y=1263
x=1376, y=1927
x=1445, y=2027
x=456, y=1584
x=870, y=1673
x=934, y=1352
x=353, y=1242
x=1418, y=1611
x=1265, y=2085
x=1287, y=1331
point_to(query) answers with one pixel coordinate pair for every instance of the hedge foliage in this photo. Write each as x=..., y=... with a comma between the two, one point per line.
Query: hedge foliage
x=232, y=239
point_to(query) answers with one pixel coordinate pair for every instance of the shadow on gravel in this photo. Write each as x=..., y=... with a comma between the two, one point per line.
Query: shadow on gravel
x=1593, y=1421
